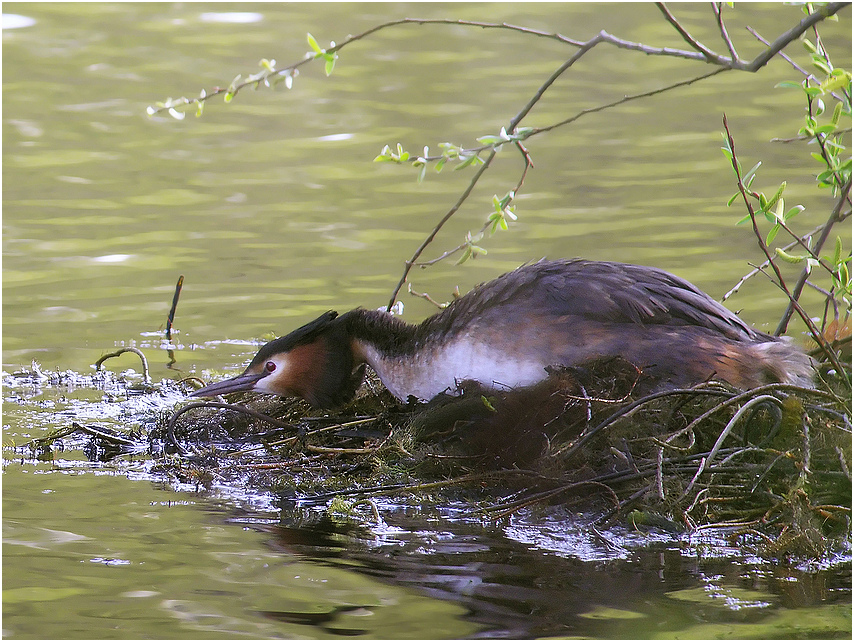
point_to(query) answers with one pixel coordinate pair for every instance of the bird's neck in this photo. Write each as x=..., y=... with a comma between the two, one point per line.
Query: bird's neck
x=432, y=357
x=390, y=346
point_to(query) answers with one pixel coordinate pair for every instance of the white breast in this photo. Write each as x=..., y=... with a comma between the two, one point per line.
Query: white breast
x=431, y=372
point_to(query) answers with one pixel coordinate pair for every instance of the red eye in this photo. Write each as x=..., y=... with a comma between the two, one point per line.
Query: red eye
x=270, y=366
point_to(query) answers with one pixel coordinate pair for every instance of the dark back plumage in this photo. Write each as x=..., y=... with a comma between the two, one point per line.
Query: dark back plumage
x=507, y=332
x=598, y=291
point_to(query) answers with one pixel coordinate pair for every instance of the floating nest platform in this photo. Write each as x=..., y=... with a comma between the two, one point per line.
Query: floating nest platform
x=771, y=465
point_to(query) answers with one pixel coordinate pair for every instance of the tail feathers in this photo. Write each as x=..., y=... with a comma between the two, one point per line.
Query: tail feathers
x=785, y=362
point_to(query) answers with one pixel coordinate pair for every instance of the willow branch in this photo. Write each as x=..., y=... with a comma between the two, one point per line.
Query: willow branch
x=780, y=282
x=835, y=217
x=702, y=54
x=716, y=8
x=456, y=206
x=710, y=55
x=513, y=124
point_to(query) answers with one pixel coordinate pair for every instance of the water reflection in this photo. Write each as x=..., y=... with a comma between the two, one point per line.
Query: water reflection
x=232, y=17
x=14, y=21
x=634, y=585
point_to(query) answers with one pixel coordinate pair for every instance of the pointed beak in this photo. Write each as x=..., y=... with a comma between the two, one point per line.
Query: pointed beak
x=241, y=383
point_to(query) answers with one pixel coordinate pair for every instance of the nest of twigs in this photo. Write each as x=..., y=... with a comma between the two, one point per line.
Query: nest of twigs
x=771, y=464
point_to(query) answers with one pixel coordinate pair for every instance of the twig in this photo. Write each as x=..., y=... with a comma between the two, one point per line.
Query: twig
x=424, y=295
x=439, y=225
x=568, y=450
x=825, y=233
x=780, y=282
x=372, y=490
x=797, y=68
x=145, y=377
x=625, y=99
x=707, y=462
x=782, y=387
x=805, y=424
x=100, y=434
x=171, y=316
x=819, y=14
x=842, y=463
x=758, y=269
x=742, y=188
x=283, y=442
x=500, y=511
x=170, y=428
x=325, y=450
x=710, y=55
x=716, y=8
x=373, y=506
x=514, y=122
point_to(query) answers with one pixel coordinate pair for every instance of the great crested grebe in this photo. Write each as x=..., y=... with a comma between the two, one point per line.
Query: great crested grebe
x=505, y=333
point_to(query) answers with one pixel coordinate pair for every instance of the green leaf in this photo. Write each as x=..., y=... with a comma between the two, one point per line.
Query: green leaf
x=749, y=175
x=788, y=258
x=313, y=44
x=330, y=64
x=228, y=96
x=776, y=196
x=797, y=209
x=465, y=257
x=422, y=173
x=467, y=160
x=837, y=112
x=772, y=234
x=744, y=220
x=836, y=81
x=732, y=199
x=789, y=84
x=820, y=64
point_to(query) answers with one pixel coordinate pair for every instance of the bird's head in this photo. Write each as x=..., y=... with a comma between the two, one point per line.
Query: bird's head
x=314, y=362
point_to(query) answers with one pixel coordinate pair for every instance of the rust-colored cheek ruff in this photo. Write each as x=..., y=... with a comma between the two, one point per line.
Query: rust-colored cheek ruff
x=301, y=371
